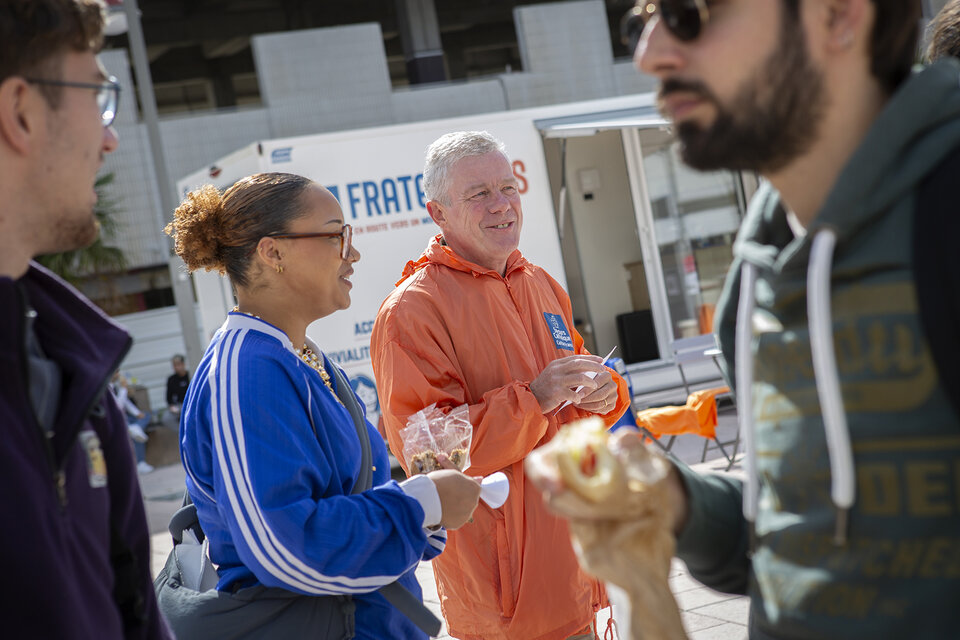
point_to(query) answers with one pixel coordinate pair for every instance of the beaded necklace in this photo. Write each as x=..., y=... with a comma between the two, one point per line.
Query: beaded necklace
x=311, y=359
x=314, y=362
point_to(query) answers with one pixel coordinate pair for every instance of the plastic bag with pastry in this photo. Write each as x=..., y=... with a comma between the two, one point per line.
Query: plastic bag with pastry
x=616, y=494
x=430, y=432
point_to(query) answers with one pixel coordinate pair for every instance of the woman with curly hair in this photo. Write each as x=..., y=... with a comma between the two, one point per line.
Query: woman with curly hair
x=272, y=437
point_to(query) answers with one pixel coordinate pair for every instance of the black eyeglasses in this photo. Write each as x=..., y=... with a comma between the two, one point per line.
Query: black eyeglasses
x=345, y=234
x=684, y=19
x=108, y=94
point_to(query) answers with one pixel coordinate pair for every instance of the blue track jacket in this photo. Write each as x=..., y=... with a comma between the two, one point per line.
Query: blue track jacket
x=273, y=497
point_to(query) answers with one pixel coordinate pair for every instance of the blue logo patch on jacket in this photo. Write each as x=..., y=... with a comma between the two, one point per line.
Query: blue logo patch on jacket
x=561, y=337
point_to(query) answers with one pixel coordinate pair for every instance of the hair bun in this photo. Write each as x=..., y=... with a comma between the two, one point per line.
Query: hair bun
x=197, y=229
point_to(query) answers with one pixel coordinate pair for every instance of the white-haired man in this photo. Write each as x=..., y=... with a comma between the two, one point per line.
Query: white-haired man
x=474, y=322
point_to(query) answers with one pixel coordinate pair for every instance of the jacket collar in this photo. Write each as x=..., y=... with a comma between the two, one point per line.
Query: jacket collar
x=238, y=320
x=440, y=254
x=86, y=344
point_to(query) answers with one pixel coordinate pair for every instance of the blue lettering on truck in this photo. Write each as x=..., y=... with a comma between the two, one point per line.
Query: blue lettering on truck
x=372, y=198
x=363, y=328
x=283, y=154
x=404, y=180
x=389, y=189
x=354, y=200
x=420, y=194
x=347, y=356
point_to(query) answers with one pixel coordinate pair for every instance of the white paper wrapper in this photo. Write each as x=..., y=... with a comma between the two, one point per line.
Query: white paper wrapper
x=494, y=489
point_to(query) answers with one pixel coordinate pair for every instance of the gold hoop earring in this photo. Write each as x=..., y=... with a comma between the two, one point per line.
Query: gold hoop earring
x=279, y=268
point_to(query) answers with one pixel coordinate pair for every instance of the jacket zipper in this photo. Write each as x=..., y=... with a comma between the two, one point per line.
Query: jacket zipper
x=58, y=475
x=528, y=331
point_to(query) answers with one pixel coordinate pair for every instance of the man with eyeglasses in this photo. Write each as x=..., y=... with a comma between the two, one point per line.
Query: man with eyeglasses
x=75, y=550
x=839, y=317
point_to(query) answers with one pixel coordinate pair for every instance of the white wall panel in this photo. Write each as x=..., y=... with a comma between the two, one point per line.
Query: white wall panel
x=324, y=79
x=442, y=101
x=191, y=143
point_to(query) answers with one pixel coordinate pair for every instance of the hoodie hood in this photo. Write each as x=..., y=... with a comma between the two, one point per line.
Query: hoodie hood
x=437, y=252
x=862, y=231
x=913, y=134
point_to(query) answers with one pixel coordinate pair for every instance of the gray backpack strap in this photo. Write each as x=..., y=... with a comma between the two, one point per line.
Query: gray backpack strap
x=185, y=518
x=394, y=593
x=409, y=605
x=345, y=393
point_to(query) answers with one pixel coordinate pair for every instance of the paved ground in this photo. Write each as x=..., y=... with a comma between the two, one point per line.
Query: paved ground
x=706, y=613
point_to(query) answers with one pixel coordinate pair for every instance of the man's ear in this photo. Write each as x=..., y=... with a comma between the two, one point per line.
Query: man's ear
x=437, y=212
x=17, y=103
x=846, y=22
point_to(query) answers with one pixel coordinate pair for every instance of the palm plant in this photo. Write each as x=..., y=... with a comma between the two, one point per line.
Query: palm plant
x=97, y=258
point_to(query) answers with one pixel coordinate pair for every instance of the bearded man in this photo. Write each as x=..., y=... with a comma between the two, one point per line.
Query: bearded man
x=839, y=314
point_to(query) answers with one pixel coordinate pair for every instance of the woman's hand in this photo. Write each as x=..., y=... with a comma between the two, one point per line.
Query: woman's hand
x=458, y=493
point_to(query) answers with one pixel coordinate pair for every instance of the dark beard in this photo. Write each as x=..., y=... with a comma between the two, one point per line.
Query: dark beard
x=773, y=119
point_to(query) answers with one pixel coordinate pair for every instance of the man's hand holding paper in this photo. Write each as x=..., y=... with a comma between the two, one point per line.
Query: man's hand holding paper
x=590, y=387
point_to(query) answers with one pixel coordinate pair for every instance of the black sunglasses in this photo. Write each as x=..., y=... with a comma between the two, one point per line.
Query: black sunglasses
x=108, y=94
x=683, y=18
x=345, y=234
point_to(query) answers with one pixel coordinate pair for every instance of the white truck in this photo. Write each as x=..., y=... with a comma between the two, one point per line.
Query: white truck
x=635, y=241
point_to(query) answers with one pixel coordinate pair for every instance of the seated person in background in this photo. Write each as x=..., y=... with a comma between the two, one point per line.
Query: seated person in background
x=271, y=451
x=136, y=420
x=177, y=385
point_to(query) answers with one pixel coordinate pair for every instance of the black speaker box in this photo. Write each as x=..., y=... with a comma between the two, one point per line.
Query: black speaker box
x=638, y=339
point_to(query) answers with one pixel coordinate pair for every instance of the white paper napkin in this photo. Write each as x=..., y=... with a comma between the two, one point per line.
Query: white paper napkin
x=494, y=489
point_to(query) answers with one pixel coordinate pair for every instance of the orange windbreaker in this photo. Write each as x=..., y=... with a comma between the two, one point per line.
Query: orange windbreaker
x=451, y=333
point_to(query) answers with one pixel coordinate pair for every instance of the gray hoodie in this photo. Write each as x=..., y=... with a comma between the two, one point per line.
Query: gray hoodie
x=853, y=449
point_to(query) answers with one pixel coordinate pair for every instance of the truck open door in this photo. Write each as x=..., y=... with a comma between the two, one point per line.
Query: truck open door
x=646, y=241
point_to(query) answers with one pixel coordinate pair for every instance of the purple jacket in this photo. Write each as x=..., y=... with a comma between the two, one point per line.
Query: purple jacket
x=54, y=503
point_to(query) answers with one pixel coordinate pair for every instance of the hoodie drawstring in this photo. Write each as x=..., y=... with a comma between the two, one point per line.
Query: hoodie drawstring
x=842, y=485
x=820, y=323
x=743, y=369
x=611, y=632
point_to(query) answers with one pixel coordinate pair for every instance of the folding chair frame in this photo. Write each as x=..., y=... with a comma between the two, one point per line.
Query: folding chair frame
x=699, y=349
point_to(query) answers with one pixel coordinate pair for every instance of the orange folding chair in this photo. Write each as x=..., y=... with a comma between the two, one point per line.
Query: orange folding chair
x=698, y=417
x=703, y=348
